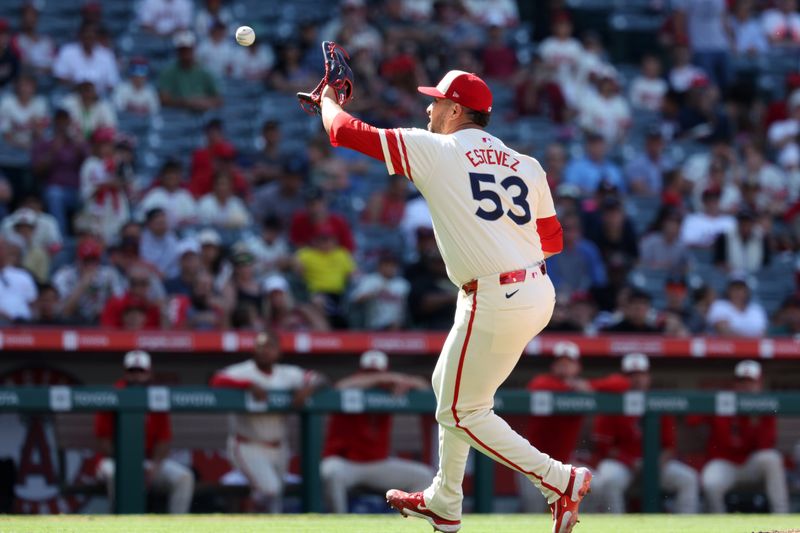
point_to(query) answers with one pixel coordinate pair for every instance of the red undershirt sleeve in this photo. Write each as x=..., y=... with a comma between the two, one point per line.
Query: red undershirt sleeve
x=350, y=132
x=221, y=380
x=550, y=234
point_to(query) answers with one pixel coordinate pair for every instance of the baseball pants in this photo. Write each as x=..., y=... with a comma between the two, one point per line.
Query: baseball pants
x=340, y=475
x=762, y=467
x=171, y=477
x=613, y=478
x=492, y=327
x=264, y=467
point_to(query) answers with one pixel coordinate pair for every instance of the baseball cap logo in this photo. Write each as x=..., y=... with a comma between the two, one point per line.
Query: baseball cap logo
x=455, y=94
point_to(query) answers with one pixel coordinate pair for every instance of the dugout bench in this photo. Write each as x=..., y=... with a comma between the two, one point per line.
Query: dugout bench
x=130, y=406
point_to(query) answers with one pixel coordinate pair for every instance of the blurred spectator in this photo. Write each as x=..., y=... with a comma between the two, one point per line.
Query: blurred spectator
x=84, y=287
x=787, y=320
x=614, y=235
x=188, y=253
x=351, y=28
x=56, y=161
x=661, y=248
x=216, y=51
x=35, y=258
x=221, y=208
x=773, y=183
x=555, y=160
x=579, y=266
x=23, y=114
x=105, y=203
x=88, y=111
x=253, y=63
x=703, y=24
x=701, y=229
x=259, y=442
x=683, y=72
x=563, y=53
x=9, y=56
x=205, y=309
x=212, y=258
x=17, y=288
x=165, y=17
x=386, y=208
x=605, y=111
x=782, y=134
x=283, y=313
x=499, y=58
x=326, y=268
x=456, y=29
x=749, y=35
x=702, y=117
x=160, y=471
x=648, y=87
x=638, y=315
x=185, y=84
x=594, y=168
x=136, y=95
x=159, y=245
x=291, y=74
x=676, y=300
x=308, y=223
x=168, y=194
x=432, y=299
x=782, y=24
x=137, y=297
x=217, y=156
x=87, y=60
x=46, y=309
x=269, y=246
x=37, y=51
x=743, y=249
x=212, y=11
x=503, y=13
x=618, y=446
x=283, y=198
x=742, y=450
x=644, y=173
x=242, y=293
x=45, y=228
x=357, y=446
x=703, y=298
x=383, y=294
x=271, y=157
x=737, y=314
x=538, y=92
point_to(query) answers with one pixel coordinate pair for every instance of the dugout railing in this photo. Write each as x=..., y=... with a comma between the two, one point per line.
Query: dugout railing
x=130, y=406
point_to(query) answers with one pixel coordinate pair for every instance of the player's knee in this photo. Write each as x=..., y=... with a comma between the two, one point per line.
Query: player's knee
x=331, y=468
x=768, y=459
x=445, y=418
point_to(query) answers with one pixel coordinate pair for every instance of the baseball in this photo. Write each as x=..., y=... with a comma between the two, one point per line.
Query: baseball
x=245, y=35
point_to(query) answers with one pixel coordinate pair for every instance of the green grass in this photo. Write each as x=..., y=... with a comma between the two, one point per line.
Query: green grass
x=393, y=524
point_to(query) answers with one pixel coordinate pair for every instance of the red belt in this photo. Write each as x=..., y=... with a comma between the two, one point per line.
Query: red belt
x=506, y=278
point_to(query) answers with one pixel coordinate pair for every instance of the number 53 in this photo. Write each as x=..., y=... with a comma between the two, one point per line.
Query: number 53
x=519, y=199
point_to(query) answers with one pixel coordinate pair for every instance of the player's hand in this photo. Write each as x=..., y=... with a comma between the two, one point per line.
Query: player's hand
x=259, y=394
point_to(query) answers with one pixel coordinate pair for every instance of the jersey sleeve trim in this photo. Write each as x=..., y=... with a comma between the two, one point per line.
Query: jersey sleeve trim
x=405, y=156
x=385, y=147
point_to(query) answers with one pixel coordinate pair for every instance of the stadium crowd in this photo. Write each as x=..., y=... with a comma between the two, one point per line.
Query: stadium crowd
x=677, y=182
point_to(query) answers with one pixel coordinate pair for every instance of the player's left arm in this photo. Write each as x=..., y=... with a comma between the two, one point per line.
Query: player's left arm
x=547, y=225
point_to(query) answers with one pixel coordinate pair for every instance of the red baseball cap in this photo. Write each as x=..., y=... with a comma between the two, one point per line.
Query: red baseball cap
x=462, y=88
x=90, y=248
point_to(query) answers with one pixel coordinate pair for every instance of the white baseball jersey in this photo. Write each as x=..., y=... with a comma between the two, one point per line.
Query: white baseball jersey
x=264, y=427
x=484, y=197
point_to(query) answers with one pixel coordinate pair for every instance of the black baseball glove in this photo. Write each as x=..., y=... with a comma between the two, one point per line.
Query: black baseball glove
x=337, y=75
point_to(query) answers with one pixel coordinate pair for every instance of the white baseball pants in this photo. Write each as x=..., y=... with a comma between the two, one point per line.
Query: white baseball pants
x=340, y=475
x=264, y=467
x=764, y=466
x=613, y=478
x=172, y=477
x=492, y=327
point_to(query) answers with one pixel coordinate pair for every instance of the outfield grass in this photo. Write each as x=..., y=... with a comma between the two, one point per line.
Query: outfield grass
x=394, y=524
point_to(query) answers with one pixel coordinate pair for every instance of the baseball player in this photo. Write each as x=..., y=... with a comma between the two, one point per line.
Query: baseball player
x=495, y=224
x=357, y=448
x=618, y=444
x=160, y=472
x=258, y=443
x=742, y=451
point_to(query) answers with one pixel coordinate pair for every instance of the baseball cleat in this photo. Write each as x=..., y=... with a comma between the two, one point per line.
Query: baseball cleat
x=413, y=504
x=565, y=509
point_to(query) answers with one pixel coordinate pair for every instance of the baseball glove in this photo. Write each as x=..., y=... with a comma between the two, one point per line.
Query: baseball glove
x=337, y=75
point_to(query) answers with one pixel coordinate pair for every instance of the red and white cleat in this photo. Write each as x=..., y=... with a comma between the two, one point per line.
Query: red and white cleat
x=413, y=504
x=565, y=509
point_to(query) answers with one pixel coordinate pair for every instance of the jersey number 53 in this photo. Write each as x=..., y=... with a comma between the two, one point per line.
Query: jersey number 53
x=512, y=184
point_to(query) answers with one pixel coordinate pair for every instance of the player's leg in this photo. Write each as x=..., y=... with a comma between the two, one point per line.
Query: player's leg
x=338, y=476
x=717, y=478
x=105, y=472
x=396, y=473
x=445, y=493
x=488, y=341
x=684, y=481
x=530, y=497
x=612, y=478
x=767, y=466
x=178, y=481
x=255, y=462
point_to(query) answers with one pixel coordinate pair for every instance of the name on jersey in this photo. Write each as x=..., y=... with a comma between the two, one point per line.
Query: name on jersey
x=484, y=156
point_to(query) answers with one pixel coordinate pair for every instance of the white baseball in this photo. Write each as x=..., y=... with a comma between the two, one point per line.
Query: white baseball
x=245, y=35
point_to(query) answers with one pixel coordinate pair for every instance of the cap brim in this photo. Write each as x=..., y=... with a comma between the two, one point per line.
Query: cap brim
x=431, y=91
